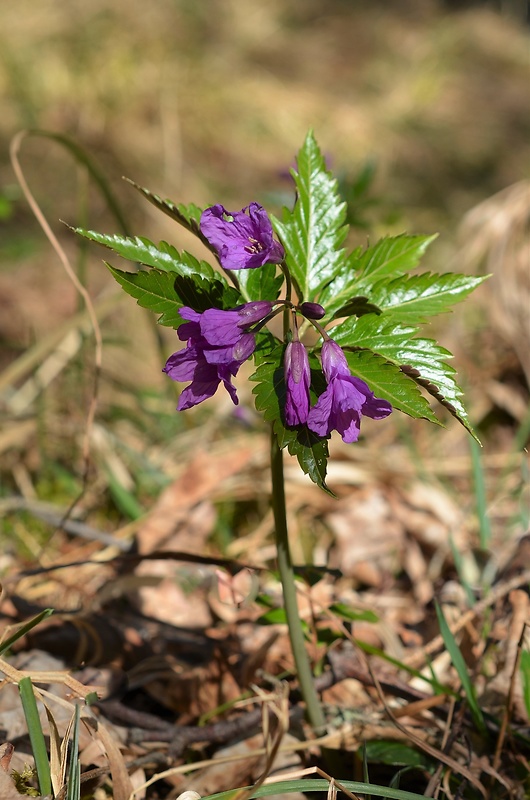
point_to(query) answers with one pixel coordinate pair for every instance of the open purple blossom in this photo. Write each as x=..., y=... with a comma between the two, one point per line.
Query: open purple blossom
x=221, y=327
x=207, y=360
x=190, y=364
x=242, y=241
x=297, y=380
x=345, y=400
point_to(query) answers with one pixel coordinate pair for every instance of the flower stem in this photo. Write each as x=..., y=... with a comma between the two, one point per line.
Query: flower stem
x=296, y=635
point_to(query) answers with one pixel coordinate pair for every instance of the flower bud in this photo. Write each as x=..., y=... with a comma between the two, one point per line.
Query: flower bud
x=312, y=310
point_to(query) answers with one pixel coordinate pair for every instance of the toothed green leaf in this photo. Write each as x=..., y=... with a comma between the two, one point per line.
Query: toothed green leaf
x=391, y=256
x=163, y=257
x=388, y=382
x=165, y=293
x=421, y=360
x=417, y=297
x=187, y=215
x=314, y=231
x=260, y=284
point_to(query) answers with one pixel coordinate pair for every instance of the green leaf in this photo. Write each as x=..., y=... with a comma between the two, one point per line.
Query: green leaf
x=201, y=294
x=313, y=232
x=164, y=257
x=349, y=613
x=328, y=636
x=421, y=360
x=165, y=293
x=417, y=297
x=460, y=665
x=265, y=600
x=73, y=791
x=260, y=284
x=388, y=382
x=124, y=499
x=153, y=290
x=311, y=450
x=438, y=688
x=187, y=215
x=386, y=751
x=357, y=307
x=277, y=616
x=390, y=256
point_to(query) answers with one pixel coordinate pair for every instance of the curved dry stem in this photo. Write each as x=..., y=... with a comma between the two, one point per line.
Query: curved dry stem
x=14, y=149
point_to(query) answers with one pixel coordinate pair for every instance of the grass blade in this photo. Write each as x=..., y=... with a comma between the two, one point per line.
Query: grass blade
x=525, y=676
x=27, y=626
x=461, y=570
x=36, y=735
x=73, y=791
x=461, y=668
x=366, y=774
x=437, y=687
x=480, y=496
x=318, y=785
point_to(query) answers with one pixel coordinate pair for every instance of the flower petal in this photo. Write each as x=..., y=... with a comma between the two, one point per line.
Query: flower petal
x=333, y=360
x=297, y=380
x=220, y=327
x=226, y=376
x=181, y=365
x=373, y=407
x=342, y=405
x=319, y=419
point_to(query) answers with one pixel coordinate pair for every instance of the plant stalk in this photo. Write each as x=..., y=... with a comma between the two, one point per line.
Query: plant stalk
x=296, y=635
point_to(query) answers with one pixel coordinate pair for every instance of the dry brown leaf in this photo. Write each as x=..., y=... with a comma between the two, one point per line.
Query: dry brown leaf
x=6, y=754
x=368, y=539
x=417, y=569
x=499, y=688
x=496, y=236
x=121, y=782
x=199, y=480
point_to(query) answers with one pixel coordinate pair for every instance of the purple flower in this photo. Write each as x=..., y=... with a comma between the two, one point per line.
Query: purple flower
x=243, y=241
x=226, y=327
x=345, y=400
x=190, y=364
x=217, y=345
x=297, y=380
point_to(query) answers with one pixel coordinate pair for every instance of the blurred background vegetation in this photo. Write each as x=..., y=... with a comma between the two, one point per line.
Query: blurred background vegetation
x=422, y=108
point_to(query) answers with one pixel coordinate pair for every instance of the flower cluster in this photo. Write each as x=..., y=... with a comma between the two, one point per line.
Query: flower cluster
x=218, y=341
x=340, y=406
x=217, y=344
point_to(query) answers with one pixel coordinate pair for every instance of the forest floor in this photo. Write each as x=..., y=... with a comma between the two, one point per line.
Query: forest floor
x=150, y=532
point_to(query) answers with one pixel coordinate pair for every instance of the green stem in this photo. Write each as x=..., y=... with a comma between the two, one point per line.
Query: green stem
x=288, y=282
x=285, y=565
